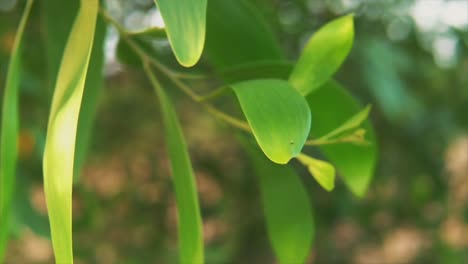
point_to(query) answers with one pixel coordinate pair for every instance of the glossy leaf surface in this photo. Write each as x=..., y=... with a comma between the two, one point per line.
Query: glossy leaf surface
x=9, y=133
x=323, y=55
x=332, y=105
x=62, y=128
x=278, y=115
x=287, y=209
x=185, y=22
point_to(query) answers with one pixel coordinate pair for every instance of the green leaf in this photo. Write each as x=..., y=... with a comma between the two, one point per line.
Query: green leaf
x=9, y=133
x=238, y=34
x=278, y=115
x=56, y=34
x=287, y=209
x=331, y=105
x=323, y=55
x=62, y=128
x=190, y=224
x=185, y=22
x=321, y=170
x=93, y=87
x=350, y=124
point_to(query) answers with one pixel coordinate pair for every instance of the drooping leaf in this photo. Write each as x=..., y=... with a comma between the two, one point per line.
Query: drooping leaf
x=9, y=133
x=287, y=209
x=93, y=86
x=185, y=22
x=331, y=105
x=62, y=128
x=236, y=34
x=190, y=224
x=278, y=115
x=321, y=170
x=323, y=55
x=350, y=124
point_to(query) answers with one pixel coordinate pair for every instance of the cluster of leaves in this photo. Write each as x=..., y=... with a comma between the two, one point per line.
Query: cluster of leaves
x=286, y=106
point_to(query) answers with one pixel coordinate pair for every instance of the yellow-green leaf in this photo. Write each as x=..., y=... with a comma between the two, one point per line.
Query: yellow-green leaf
x=287, y=209
x=190, y=224
x=323, y=55
x=62, y=128
x=278, y=115
x=185, y=22
x=321, y=170
x=9, y=133
x=332, y=105
x=350, y=124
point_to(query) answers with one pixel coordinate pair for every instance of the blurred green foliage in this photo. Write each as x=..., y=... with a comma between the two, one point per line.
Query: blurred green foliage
x=124, y=209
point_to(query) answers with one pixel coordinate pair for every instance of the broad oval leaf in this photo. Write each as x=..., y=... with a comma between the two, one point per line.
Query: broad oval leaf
x=331, y=105
x=190, y=223
x=185, y=22
x=321, y=170
x=278, y=115
x=323, y=55
x=62, y=128
x=9, y=134
x=237, y=34
x=287, y=209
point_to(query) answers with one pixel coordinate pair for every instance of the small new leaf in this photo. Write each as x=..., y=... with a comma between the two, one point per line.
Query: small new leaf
x=352, y=123
x=321, y=170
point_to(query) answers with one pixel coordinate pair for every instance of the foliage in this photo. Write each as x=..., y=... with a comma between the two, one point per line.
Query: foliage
x=288, y=108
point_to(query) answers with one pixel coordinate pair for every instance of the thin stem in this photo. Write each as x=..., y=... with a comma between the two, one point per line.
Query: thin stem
x=320, y=142
x=148, y=61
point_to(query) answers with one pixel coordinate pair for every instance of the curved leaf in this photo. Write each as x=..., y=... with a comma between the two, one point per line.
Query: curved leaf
x=323, y=55
x=9, y=133
x=278, y=115
x=62, y=128
x=287, y=209
x=185, y=22
x=331, y=105
x=92, y=90
x=190, y=224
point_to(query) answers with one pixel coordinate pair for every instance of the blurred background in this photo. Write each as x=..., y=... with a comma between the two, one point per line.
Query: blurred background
x=410, y=61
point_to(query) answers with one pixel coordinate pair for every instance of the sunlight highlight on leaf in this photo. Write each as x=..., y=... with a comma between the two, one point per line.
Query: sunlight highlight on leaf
x=62, y=128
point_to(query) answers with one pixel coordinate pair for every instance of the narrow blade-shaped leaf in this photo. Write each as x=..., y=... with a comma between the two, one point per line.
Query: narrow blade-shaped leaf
x=185, y=22
x=323, y=55
x=278, y=115
x=287, y=209
x=321, y=170
x=350, y=124
x=62, y=128
x=190, y=227
x=9, y=133
x=93, y=86
x=331, y=105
